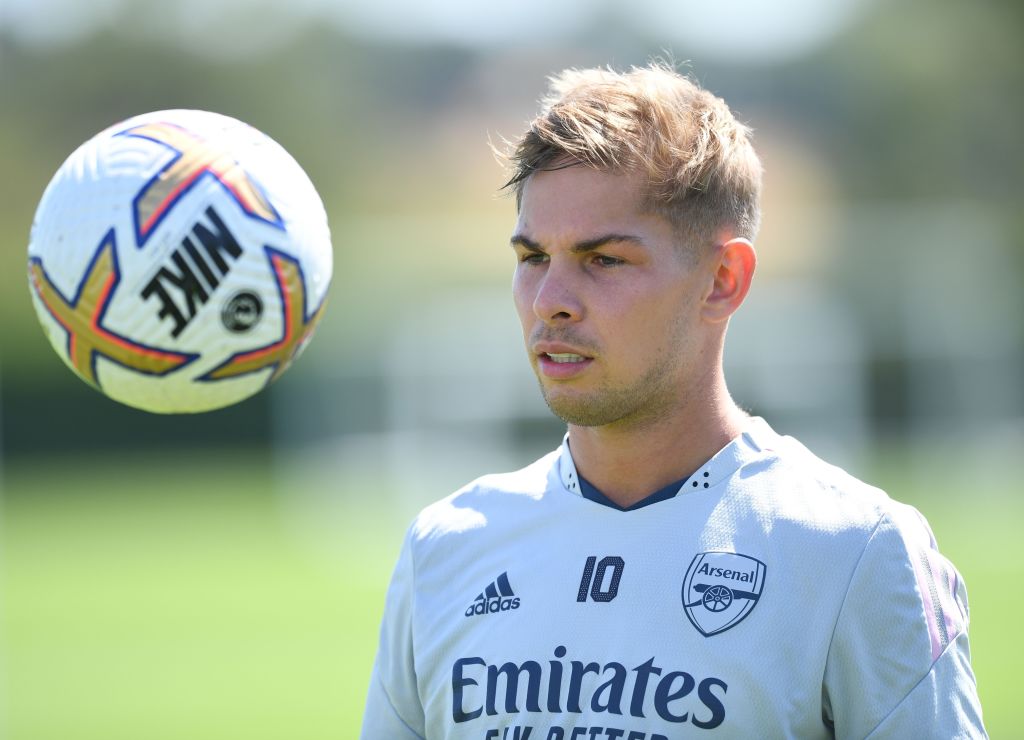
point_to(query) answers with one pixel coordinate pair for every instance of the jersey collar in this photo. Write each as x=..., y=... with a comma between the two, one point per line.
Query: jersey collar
x=756, y=438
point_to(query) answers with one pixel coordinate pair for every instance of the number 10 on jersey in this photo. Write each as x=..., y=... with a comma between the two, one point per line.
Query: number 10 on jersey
x=600, y=580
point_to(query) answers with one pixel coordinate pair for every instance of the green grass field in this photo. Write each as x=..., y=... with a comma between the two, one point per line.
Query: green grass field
x=155, y=598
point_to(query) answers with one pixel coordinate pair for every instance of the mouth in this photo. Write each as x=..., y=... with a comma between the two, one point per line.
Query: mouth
x=562, y=365
x=563, y=357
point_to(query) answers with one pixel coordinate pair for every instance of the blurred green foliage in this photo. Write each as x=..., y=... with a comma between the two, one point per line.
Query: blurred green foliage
x=919, y=100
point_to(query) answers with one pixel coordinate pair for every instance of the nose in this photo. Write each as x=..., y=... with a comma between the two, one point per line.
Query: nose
x=557, y=299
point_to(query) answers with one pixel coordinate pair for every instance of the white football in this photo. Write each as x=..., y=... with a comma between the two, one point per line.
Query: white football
x=179, y=261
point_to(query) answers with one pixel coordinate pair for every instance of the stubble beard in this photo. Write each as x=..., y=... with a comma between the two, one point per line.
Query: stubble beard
x=642, y=403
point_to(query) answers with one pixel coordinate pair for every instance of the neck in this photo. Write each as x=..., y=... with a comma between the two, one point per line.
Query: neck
x=627, y=461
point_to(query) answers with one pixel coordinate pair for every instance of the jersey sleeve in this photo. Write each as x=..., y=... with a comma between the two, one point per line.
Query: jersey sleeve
x=393, y=709
x=899, y=662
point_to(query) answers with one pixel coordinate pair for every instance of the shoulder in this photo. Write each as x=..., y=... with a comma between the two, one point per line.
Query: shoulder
x=475, y=504
x=789, y=483
x=850, y=522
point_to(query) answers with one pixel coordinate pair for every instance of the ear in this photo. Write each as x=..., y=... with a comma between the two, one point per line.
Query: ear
x=733, y=271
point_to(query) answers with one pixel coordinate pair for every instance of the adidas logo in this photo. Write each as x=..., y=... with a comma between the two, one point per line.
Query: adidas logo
x=497, y=597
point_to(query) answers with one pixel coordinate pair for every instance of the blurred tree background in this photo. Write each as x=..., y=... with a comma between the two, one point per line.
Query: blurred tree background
x=887, y=327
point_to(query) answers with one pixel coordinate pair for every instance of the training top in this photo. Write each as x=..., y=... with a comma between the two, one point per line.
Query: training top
x=774, y=596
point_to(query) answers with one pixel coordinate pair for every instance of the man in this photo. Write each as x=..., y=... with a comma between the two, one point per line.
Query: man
x=676, y=569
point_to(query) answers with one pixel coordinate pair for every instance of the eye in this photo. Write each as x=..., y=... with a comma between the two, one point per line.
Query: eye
x=533, y=258
x=603, y=260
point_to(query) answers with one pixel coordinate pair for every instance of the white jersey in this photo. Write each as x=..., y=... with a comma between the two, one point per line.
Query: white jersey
x=774, y=596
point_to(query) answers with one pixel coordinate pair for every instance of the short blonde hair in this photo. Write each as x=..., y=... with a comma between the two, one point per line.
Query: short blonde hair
x=701, y=170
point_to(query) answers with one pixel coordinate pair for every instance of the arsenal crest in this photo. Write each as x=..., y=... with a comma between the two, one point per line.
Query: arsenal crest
x=720, y=589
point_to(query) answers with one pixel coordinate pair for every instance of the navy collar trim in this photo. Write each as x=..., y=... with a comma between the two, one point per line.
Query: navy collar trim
x=588, y=491
x=755, y=439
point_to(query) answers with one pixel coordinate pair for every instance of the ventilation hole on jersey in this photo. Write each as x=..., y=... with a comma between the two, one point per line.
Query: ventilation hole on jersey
x=706, y=474
x=706, y=485
x=695, y=484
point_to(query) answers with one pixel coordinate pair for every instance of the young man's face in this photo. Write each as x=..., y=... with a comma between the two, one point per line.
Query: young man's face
x=608, y=299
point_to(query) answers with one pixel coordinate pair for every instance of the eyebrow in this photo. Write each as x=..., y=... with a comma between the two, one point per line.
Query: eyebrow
x=587, y=245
